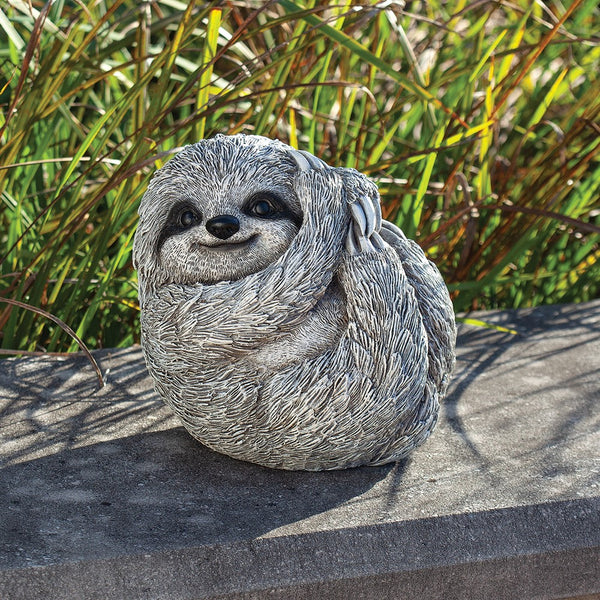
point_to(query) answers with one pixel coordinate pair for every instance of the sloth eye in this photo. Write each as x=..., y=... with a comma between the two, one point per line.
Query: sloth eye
x=262, y=208
x=188, y=217
x=264, y=205
x=182, y=216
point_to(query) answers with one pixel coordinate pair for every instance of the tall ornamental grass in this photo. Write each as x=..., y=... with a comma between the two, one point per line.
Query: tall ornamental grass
x=480, y=122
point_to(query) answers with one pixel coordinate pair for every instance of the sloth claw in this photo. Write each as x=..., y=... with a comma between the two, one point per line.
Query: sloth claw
x=357, y=243
x=360, y=218
x=307, y=161
x=378, y=215
x=366, y=245
x=377, y=241
x=315, y=162
x=372, y=208
x=351, y=243
x=366, y=216
x=368, y=206
x=361, y=237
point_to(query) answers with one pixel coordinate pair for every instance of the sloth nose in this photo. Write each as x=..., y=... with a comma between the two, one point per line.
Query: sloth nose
x=223, y=226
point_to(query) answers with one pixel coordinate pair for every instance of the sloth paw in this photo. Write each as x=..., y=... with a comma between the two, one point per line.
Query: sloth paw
x=363, y=232
x=362, y=197
x=363, y=202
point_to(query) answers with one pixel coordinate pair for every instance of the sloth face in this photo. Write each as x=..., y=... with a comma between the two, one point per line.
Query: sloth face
x=220, y=210
x=226, y=240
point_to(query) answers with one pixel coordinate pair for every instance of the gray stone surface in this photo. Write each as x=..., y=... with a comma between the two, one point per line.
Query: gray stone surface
x=104, y=495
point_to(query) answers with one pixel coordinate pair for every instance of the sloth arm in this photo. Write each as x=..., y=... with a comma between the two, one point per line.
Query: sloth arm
x=373, y=384
x=410, y=293
x=383, y=350
x=229, y=318
x=385, y=342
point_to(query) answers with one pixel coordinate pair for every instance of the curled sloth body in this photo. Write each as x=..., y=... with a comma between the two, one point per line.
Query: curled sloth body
x=283, y=320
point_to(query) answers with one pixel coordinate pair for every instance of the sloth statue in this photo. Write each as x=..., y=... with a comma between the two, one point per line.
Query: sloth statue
x=283, y=320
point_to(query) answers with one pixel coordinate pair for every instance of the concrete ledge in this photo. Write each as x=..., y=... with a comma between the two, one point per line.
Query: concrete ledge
x=539, y=551
x=104, y=495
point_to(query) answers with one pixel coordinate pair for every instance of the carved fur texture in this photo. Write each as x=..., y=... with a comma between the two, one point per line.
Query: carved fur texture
x=283, y=320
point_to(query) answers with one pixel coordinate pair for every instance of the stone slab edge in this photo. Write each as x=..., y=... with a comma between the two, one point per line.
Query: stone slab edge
x=538, y=551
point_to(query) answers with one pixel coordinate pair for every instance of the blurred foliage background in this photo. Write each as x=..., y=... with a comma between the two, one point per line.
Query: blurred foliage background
x=478, y=120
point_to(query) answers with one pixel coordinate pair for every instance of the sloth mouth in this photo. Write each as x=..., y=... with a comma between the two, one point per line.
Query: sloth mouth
x=226, y=246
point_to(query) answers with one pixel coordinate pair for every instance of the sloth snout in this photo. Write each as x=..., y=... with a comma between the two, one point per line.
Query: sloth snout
x=223, y=226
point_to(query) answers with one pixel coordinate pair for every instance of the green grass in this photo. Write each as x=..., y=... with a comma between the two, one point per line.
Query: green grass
x=479, y=121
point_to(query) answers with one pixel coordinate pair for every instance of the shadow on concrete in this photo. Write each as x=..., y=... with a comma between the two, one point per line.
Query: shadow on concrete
x=549, y=388
x=51, y=404
x=154, y=491
x=94, y=473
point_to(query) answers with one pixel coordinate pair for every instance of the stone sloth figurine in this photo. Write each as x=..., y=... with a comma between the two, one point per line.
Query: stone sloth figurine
x=282, y=319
